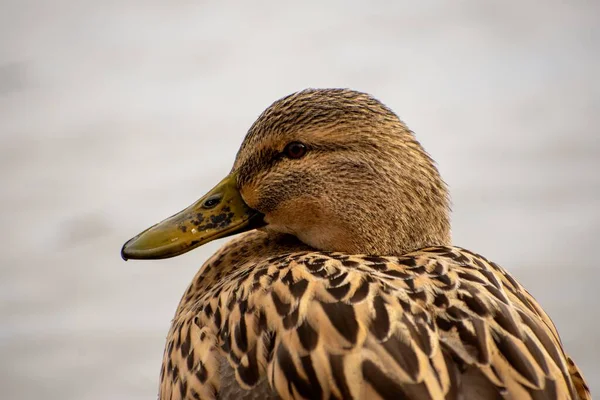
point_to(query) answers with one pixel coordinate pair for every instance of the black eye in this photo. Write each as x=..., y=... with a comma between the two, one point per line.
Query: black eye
x=295, y=150
x=212, y=201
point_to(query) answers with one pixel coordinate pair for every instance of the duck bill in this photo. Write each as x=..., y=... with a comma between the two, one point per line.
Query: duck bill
x=221, y=212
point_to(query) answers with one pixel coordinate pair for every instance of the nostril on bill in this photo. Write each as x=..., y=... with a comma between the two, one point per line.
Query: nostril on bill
x=212, y=201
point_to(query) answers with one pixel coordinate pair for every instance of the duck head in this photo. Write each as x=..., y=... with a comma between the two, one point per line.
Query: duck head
x=333, y=167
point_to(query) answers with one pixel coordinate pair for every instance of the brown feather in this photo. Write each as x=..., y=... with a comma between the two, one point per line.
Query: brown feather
x=354, y=291
x=343, y=349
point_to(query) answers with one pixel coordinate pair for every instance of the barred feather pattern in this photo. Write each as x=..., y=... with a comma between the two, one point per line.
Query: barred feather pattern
x=269, y=319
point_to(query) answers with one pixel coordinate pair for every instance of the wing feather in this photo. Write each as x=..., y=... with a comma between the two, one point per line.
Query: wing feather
x=438, y=323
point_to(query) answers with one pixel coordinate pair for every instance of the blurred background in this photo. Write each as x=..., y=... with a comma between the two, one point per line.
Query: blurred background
x=116, y=114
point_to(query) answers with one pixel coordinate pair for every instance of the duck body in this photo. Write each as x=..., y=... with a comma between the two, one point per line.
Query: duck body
x=346, y=284
x=268, y=317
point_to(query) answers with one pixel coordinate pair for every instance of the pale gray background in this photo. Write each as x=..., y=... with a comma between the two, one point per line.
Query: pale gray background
x=115, y=114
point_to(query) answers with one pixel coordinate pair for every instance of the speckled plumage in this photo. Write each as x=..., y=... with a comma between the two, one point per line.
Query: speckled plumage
x=298, y=310
x=332, y=325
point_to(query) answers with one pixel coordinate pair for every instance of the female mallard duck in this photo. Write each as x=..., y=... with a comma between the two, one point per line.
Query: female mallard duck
x=351, y=288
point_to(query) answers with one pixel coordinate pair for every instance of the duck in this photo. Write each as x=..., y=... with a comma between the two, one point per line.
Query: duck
x=343, y=281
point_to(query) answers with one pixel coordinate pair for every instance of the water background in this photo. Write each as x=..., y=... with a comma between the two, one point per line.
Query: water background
x=116, y=114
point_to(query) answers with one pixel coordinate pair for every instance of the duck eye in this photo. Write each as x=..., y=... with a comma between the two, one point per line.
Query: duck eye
x=295, y=150
x=212, y=201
